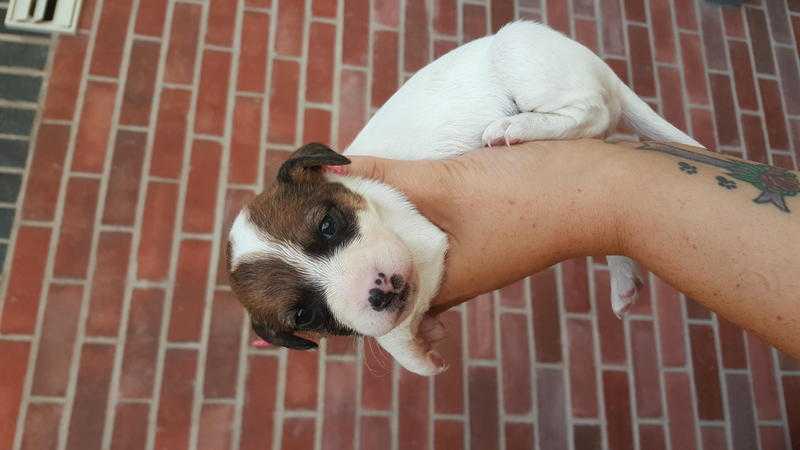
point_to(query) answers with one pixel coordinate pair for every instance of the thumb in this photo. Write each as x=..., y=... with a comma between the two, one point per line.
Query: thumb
x=364, y=167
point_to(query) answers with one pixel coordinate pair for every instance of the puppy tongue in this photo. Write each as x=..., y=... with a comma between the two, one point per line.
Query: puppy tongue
x=260, y=343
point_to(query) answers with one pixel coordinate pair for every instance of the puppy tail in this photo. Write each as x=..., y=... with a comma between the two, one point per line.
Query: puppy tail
x=647, y=123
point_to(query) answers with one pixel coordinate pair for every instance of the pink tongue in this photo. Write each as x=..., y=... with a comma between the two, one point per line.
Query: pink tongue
x=260, y=343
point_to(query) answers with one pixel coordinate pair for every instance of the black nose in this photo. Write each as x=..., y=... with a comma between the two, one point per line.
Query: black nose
x=380, y=300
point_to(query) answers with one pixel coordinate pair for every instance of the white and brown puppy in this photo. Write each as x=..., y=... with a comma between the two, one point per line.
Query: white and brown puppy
x=326, y=254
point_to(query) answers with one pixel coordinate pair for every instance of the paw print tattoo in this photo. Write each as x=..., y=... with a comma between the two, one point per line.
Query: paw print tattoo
x=688, y=168
x=726, y=183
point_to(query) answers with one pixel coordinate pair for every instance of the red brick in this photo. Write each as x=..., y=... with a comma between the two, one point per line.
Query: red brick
x=582, y=374
x=714, y=438
x=122, y=194
x=740, y=405
x=12, y=379
x=384, y=66
x=796, y=28
x=583, y=8
x=246, y=142
x=641, y=61
x=298, y=434
x=706, y=373
x=170, y=133
x=151, y=17
x=474, y=21
x=576, y=288
x=141, y=344
x=713, y=37
x=259, y=401
x=108, y=283
x=693, y=69
x=519, y=435
x=551, y=428
x=695, y=310
x=177, y=393
x=724, y=109
x=618, y=410
x=502, y=13
x=685, y=14
x=612, y=331
x=44, y=174
x=376, y=432
x=514, y=341
x=588, y=437
x=155, y=243
x=201, y=193
x=65, y=77
x=784, y=161
x=289, y=33
x=680, y=411
x=440, y=47
x=732, y=344
x=356, y=32
x=212, y=99
x=95, y=124
x=483, y=417
x=652, y=437
x=376, y=377
x=221, y=21
x=635, y=10
x=445, y=17
x=42, y=422
x=449, y=386
x=130, y=426
x=558, y=15
x=340, y=399
x=91, y=394
x=258, y=3
x=416, y=38
x=734, y=24
x=182, y=51
x=352, y=105
x=670, y=325
x=327, y=8
x=253, y=58
x=743, y=75
x=480, y=320
x=672, y=96
x=60, y=326
x=75, y=241
x=765, y=388
x=790, y=79
x=139, y=87
x=319, y=70
x=448, y=434
x=760, y=40
x=301, y=392
x=546, y=328
x=513, y=295
x=222, y=363
x=216, y=427
x=778, y=22
x=86, y=20
x=283, y=102
x=645, y=369
x=613, y=28
x=234, y=200
x=25, y=280
x=703, y=127
x=317, y=126
x=791, y=394
x=663, y=37
x=413, y=411
x=773, y=114
x=586, y=34
x=772, y=438
x=189, y=294
x=110, y=38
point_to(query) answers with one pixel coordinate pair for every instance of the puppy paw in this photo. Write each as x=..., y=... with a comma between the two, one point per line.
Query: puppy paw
x=499, y=133
x=624, y=292
x=431, y=364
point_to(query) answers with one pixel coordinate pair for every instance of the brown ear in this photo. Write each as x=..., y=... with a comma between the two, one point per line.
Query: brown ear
x=281, y=338
x=310, y=156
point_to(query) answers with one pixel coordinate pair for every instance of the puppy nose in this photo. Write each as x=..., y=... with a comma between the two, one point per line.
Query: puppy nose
x=387, y=290
x=380, y=300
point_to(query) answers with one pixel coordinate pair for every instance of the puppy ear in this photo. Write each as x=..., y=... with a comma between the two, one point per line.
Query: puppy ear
x=310, y=156
x=281, y=338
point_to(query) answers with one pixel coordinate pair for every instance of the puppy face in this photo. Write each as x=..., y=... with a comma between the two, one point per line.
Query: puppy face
x=309, y=255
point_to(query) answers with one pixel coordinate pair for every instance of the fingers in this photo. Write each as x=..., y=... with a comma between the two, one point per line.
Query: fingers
x=364, y=167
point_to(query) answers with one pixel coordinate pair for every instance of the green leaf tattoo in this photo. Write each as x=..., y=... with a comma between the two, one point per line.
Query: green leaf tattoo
x=774, y=183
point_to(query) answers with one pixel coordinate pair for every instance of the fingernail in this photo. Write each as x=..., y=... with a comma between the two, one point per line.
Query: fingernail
x=259, y=343
x=338, y=170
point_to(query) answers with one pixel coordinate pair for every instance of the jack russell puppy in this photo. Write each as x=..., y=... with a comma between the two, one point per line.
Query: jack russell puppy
x=326, y=254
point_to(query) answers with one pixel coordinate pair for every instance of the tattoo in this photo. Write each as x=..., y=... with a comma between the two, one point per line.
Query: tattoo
x=774, y=183
x=688, y=168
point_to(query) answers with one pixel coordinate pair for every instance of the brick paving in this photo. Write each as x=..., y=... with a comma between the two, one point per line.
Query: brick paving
x=160, y=117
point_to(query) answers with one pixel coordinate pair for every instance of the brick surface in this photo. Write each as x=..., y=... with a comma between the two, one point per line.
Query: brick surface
x=141, y=344
x=353, y=87
x=224, y=338
x=140, y=85
x=319, y=71
x=253, y=58
x=246, y=142
x=155, y=242
x=645, y=369
x=60, y=326
x=173, y=420
x=110, y=38
x=474, y=21
x=282, y=126
x=257, y=415
x=582, y=371
x=124, y=178
x=151, y=17
x=706, y=373
x=15, y=355
x=94, y=379
x=289, y=35
x=25, y=280
x=108, y=284
x=41, y=427
x=340, y=399
x=66, y=77
x=384, y=67
x=355, y=38
x=170, y=133
x=546, y=328
x=413, y=411
x=201, y=192
x=480, y=317
x=516, y=364
x=130, y=426
x=212, y=98
x=552, y=431
x=483, y=427
x=188, y=297
x=94, y=128
x=72, y=255
x=44, y=174
x=183, y=43
x=449, y=386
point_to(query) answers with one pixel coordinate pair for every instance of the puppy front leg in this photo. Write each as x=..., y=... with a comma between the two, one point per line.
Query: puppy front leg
x=414, y=349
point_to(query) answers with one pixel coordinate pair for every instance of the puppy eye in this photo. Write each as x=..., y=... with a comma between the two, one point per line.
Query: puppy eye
x=303, y=317
x=328, y=227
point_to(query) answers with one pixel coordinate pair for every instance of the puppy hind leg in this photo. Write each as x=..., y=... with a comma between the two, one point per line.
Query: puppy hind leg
x=571, y=122
x=626, y=282
x=414, y=352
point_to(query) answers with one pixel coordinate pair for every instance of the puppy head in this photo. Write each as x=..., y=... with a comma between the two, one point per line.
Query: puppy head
x=310, y=255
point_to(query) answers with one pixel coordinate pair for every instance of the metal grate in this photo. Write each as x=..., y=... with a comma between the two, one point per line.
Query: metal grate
x=60, y=16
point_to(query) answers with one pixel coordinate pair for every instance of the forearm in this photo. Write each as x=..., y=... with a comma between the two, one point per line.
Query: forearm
x=691, y=218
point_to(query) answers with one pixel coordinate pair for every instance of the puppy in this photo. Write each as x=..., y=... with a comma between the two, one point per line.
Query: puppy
x=326, y=254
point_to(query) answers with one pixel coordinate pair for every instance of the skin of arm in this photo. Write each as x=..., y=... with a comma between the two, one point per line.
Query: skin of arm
x=724, y=231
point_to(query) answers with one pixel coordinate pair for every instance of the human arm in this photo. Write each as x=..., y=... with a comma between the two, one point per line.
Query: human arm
x=510, y=212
